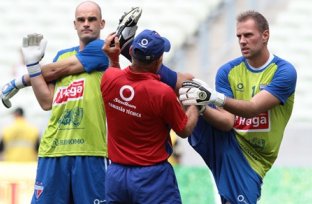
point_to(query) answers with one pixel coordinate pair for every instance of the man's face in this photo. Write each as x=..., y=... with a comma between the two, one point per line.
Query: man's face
x=88, y=23
x=251, y=41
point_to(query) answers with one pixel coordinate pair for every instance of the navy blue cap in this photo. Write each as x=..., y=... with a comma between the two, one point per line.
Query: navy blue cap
x=149, y=46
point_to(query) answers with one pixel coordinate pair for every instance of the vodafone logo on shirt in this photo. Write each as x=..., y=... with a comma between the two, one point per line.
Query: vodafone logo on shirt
x=73, y=91
x=123, y=105
x=260, y=123
x=126, y=93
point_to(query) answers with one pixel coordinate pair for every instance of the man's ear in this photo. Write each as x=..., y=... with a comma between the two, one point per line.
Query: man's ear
x=102, y=23
x=266, y=36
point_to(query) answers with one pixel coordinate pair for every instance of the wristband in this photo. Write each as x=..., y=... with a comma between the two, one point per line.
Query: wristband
x=34, y=69
x=20, y=82
x=219, y=100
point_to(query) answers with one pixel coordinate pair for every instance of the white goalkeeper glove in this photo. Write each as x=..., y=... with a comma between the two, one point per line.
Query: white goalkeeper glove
x=197, y=92
x=33, y=51
x=10, y=89
x=201, y=107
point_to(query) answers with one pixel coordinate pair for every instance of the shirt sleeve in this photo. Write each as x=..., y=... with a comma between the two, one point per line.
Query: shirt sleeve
x=92, y=57
x=283, y=83
x=173, y=112
x=222, y=81
x=168, y=76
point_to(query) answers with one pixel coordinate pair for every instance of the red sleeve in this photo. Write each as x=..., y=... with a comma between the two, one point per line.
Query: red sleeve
x=173, y=112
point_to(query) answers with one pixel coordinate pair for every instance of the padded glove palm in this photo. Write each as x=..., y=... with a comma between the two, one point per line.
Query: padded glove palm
x=33, y=51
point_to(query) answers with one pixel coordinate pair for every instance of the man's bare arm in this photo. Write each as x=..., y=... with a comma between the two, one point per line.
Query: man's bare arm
x=261, y=102
x=181, y=77
x=59, y=69
x=192, y=115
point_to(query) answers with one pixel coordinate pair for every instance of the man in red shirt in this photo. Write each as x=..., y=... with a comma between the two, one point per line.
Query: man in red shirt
x=141, y=110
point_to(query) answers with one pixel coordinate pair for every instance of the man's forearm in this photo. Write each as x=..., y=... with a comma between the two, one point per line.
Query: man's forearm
x=57, y=70
x=180, y=79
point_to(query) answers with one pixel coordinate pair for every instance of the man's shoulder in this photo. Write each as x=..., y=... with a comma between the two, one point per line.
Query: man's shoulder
x=64, y=53
x=68, y=50
x=282, y=62
x=159, y=87
x=97, y=42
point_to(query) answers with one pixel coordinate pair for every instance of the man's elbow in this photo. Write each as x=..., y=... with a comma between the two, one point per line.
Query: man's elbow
x=46, y=106
x=186, y=132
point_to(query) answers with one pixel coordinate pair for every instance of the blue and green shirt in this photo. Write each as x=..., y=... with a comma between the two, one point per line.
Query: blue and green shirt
x=260, y=137
x=77, y=126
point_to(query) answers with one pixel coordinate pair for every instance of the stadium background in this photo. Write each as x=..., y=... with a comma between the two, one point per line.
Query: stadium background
x=202, y=33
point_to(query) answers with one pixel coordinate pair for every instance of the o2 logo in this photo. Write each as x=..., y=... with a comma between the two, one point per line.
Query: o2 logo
x=241, y=199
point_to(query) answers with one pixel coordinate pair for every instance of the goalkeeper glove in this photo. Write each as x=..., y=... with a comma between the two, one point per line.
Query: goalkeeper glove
x=197, y=92
x=33, y=51
x=10, y=89
x=201, y=108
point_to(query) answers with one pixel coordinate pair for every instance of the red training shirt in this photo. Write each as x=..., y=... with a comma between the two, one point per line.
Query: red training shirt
x=140, y=111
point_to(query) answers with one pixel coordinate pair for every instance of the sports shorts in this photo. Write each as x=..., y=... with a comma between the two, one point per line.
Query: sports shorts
x=236, y=181
x=70, y=179
x=135, y=184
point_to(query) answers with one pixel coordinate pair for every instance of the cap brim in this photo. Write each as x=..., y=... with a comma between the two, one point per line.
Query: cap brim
x=167, y=44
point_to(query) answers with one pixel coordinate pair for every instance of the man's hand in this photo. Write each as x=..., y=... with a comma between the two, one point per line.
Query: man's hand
x=112, y=50
x=197, y=92
x=10, y=89
x=33, y=51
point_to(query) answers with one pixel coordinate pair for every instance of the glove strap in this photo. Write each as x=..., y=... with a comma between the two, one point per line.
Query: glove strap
x=201, y=109
x=220, y=99
x=34, y=69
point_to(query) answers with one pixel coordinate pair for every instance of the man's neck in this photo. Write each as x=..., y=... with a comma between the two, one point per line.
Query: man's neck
x=262, y=65
x=260, y=60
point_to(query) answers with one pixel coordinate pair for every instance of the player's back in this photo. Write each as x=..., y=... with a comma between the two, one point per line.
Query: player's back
x=138, y=108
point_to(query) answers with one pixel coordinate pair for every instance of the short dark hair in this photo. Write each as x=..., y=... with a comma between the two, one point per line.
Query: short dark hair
x=260, y=20
x=139, y=60
x=19, y=111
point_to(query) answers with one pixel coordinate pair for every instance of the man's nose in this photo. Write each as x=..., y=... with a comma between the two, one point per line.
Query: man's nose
x=242, y=40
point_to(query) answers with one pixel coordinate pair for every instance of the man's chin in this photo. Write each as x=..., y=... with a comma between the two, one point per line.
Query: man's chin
x=246, y=55
x=87, y=39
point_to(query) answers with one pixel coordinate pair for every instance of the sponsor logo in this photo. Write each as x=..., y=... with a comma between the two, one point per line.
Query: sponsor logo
x=240, y=87
x=73, y=91
x=241, y=199
x=143, y=43
x=38, y=189
x=126, y=93
x=202, y=95
x=98, y=201
x=71, y=118
x=260, y=123
x=74, y=141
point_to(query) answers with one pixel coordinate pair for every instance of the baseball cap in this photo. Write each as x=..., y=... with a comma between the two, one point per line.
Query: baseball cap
x=149, y=45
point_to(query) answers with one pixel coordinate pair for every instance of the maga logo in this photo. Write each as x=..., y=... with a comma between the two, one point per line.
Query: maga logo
x=73, y=91
x=260, y=123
